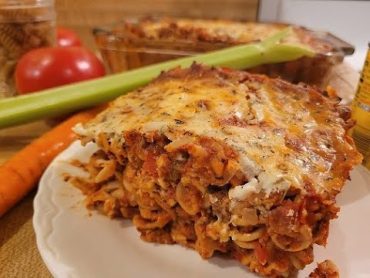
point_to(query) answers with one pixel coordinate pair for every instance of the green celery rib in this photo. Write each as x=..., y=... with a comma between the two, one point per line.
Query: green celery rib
x=69, y=98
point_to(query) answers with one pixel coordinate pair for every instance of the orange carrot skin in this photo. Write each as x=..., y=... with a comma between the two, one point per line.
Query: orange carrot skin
x=21, y=172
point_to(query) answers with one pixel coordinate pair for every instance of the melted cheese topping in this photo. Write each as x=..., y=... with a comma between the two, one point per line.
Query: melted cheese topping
x=284, y=135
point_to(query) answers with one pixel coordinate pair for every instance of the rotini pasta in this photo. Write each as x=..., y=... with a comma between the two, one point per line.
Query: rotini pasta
x=21, y=29
x=325, y=269
x=12, y=31
x=194, y=178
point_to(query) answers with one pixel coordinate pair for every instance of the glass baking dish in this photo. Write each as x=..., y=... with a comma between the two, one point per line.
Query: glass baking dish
x=134, y=43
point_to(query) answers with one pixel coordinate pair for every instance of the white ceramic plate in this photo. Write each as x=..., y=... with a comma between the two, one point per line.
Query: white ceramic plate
x=76, y=243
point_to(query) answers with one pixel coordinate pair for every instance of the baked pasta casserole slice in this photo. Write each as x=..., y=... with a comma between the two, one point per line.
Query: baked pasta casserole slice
x=216, y=32
x=133, y=43
x=223, y=161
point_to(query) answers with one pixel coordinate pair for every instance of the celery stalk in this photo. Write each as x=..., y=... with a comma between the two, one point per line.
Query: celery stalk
x=69, y=98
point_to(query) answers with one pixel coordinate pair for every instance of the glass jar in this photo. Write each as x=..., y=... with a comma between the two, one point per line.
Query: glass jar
x=24, y=25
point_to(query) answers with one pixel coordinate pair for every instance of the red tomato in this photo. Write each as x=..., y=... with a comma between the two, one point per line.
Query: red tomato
x=67, y=37
x=54, y=66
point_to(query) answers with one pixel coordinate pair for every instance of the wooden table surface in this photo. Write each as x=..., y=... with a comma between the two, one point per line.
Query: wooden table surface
x=18, y=253
x=15, y=138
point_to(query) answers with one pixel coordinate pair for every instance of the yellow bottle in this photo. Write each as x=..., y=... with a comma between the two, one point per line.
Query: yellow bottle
x=361, y=113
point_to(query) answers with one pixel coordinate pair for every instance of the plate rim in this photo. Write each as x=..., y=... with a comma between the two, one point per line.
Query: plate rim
x=56, y=267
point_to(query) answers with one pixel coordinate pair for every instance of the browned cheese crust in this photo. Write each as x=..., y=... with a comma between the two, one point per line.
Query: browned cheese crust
x=223, y=161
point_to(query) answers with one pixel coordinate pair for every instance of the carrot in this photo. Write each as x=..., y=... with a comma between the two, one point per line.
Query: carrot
x=21, y=172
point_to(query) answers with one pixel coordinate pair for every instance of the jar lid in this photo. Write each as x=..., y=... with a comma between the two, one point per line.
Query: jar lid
x=26, y=11
x=11, y=3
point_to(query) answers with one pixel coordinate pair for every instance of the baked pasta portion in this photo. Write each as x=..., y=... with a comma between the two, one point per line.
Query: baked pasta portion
x=198, y=31
x=223, y=161
x=144, y=41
